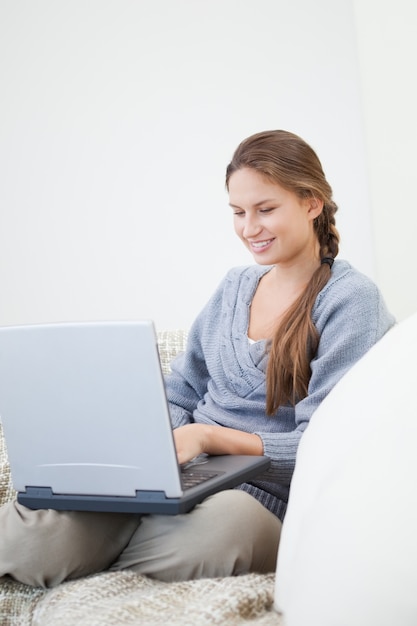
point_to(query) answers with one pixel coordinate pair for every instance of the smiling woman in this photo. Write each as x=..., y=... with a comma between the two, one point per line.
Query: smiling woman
x=276, y=225
x=284, y=213
x=272, y=341
x=272, y=222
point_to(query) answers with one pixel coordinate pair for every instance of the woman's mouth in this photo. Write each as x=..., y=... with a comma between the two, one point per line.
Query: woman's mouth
x=259, y=246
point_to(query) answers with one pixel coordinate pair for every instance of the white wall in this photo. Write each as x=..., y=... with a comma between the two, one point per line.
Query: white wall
x=118, y=118
x=387, y=45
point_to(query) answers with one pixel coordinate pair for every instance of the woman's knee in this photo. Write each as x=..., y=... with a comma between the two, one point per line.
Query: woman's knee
x=246, y=527
x=45, y=547
x=229, y=533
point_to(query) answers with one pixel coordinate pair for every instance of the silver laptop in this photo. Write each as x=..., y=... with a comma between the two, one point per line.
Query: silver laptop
x=87, y=425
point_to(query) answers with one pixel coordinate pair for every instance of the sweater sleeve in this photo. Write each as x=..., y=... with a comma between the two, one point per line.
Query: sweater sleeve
x=187, y=383
x=351, y=317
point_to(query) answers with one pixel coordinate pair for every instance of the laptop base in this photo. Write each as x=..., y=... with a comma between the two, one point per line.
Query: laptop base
x=144, y=502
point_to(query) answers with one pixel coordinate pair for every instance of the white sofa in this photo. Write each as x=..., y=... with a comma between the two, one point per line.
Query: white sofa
x=348, y=552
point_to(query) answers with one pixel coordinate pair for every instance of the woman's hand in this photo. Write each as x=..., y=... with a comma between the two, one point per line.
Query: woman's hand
x=189, y=441
x=194, y=439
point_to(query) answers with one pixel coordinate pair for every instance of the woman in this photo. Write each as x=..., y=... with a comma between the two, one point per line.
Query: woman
x=267, y=348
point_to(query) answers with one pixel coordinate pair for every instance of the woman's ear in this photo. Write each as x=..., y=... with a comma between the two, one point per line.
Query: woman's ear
x=315, y=207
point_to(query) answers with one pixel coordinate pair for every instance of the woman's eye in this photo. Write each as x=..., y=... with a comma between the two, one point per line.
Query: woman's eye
x=269, y=210
x=238, y=213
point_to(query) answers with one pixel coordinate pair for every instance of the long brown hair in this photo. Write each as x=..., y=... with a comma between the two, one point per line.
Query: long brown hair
x=288, y=160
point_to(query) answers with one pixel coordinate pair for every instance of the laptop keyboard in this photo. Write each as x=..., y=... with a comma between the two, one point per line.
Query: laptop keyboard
x=192, y=476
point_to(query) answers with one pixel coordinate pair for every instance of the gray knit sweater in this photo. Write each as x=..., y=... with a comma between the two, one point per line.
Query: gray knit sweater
x=220, y=378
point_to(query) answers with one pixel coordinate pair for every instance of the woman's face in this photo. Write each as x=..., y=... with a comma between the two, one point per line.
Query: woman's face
x=274, y=224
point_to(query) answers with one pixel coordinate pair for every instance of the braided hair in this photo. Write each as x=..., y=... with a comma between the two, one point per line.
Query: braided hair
x=286, y=159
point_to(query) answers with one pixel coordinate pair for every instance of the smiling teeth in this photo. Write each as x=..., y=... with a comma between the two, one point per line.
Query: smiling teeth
x=260, y=244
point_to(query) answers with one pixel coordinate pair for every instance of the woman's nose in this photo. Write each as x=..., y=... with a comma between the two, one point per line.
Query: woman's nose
x=251, y=226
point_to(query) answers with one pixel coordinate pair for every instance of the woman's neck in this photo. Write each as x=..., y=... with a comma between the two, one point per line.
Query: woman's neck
x=277, y=290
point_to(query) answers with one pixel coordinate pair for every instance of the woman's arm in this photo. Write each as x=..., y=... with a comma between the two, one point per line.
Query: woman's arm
x=351, y=317
x=187, y=383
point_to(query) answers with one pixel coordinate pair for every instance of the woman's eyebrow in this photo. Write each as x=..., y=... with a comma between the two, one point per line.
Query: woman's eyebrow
x=235, y=206
x=266, y=201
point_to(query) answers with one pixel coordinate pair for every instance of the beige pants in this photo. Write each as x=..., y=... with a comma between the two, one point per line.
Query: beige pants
x=230, y=533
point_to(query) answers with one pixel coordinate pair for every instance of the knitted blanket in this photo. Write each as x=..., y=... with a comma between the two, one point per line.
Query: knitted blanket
x=126, y=599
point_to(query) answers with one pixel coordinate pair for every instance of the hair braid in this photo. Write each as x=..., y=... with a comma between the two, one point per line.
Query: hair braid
x=288, y=160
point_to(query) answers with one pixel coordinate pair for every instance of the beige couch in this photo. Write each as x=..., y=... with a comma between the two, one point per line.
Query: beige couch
x=126, y=598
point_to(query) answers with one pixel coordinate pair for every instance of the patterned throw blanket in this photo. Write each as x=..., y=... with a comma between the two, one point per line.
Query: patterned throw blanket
x=127, y=599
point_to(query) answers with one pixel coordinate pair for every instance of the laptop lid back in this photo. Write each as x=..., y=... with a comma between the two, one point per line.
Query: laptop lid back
x=84, y=409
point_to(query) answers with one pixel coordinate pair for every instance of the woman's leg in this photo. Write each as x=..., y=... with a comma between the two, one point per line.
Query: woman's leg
x=45, y=547
x=229, y=533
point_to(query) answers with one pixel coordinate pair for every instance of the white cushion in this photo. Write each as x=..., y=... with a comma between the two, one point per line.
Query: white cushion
x=348, y=553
